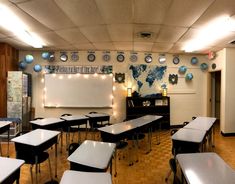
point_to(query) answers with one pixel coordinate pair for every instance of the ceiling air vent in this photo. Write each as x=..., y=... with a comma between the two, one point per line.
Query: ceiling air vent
x=145, y=35
x=232, y=42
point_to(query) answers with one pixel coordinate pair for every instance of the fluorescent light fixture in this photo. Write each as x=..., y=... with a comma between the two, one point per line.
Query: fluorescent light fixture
x=12, y=23
x=215, y=30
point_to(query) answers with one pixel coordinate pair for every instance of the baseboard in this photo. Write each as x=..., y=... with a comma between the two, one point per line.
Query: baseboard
x=227, y=134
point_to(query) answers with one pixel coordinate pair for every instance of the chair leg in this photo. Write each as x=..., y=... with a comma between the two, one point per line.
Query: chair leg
x=49, y=162
x=31, y=173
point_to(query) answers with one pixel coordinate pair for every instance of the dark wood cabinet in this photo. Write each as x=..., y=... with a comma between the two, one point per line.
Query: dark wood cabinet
x=140, y=106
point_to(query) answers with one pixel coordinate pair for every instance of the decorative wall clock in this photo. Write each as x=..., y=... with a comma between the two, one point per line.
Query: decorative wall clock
x=106, y=57
x=91, y=57
x=176, y=60
x=120, y=58
x=133, y=58
x=148, y=59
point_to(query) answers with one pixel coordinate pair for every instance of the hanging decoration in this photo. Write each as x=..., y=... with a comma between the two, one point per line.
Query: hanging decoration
x=188, y=76
x=182, y=69
x=173, y=79
x=37, y=68
x=22, y=65
x=28, y=59
x=120, y=77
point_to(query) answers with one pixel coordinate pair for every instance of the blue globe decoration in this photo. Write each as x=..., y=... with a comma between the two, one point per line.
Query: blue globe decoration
x=37, y=68
x=204, y=66
x=189, y=76
x=22, y=65
x=194, y=60
x=182, y=69
x=28, y=59
x=45, y=55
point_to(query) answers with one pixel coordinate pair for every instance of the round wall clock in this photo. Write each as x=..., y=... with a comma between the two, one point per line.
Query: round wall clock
x=63, y=57
x=176, y=60
x=148, y=59
x=74, y=56
x=213, y=66
x=120, y=58
x=106, y=57
x=162, y=59
x=133, y=58
x=91, y=57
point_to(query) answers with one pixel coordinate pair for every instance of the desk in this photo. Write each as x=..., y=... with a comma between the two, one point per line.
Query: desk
x=49, y=124
x=92, y=156
x=203, y=123
x=37, y=141
x=10, y=170
x=94, y=118
x=74, y=177
x=75, y=120
x=205, y=168
x=188, y=139
x=5, y=126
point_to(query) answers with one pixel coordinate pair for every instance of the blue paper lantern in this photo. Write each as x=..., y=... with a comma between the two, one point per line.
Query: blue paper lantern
x=22, y=65
x=37, y=68
x=204, y=66
x=194, y=60
x=182, y=69
x=28, y=58
x=45, y=55
x=189, y=76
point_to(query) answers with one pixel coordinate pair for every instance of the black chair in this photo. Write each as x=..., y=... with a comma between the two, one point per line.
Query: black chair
x=194, y=117
x=29, y=157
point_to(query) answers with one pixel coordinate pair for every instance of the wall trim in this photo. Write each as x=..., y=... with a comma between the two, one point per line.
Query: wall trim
x=227, y=134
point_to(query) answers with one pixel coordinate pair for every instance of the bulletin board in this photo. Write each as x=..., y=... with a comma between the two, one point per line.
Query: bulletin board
x=83, y=90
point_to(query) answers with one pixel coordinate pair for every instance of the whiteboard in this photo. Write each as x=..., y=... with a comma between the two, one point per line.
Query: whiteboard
x=78, y=90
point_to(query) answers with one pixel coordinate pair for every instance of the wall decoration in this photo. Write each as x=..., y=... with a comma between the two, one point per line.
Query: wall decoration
x=204, y=66
x=133, y=57
x=120, y=77
x=148, y=59
x=162, y=58
x=28, y=59
x=176, y=60
x=74, y=56
x=173, y=78
x=45, y=55
x=120, y=57
x=146, y=75
x=188, y=76
x=194, y=60
x=37, y=68
x=182, y=69
x=91, y=57
x=22, y=65
x=51, y=57
x=213, y=66
x=106, y=57
x=58, y=69
x=63, y=57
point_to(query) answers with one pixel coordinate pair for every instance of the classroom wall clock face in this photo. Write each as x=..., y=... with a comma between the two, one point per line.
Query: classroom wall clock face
x=176, y=60
x=106, y=57
x=120, y=58
x=133, y=58
x=148, y=59
x=74, y=56
x=91, y=57
x=63, y=57
x=162, y=59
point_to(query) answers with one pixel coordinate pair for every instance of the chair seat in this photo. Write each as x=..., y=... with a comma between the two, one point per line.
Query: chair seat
x=30, y=159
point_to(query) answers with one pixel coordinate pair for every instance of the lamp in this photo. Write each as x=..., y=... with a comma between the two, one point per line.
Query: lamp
x=129, y=92
x=164, y=92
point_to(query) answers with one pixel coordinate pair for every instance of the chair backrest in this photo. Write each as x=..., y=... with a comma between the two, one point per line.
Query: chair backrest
x=194, y=117
x=185, y=123
x=66, y=114
x=73, y=147
x=93, y=112
x=38, y=118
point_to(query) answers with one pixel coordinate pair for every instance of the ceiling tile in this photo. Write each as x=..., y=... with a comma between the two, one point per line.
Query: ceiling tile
x=96, y=33
x=161, y=47
x=104, y=46
x=151, y=11
x=120, y=32
x=52, y=39
x=47, y=13
x=143, y=46
x=122, y=46
x=170, y=34
x=115, y=11
x=81, y=12
x=84, y=46
x=72, y=35
x=185, y=12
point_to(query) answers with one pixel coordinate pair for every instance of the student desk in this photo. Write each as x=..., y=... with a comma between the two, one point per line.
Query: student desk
x=75, y=177
x=206, y=168
x=94, y=118
x=5, y=126
x=203, y=123
x=37, y=141
x=75, y=120
x=49, y=124
x=119, y=131
x=187, y=140
x=92, y=156
x=10, y=170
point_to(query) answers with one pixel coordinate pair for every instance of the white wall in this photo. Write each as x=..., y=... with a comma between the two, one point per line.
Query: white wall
x=187, y=98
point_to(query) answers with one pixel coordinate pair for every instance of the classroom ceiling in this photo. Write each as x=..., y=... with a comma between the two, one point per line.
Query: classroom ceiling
x=122, y=25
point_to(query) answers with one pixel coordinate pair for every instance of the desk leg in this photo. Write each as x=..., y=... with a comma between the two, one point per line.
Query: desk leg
x=56, y=160
x=61, y=141
x=158, y=134
x=115, y=174
x=8, y=140
x=36, y=165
